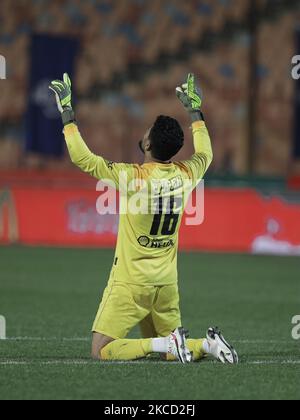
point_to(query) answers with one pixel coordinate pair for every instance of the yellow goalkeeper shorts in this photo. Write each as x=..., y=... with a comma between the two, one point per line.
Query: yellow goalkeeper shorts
x=155, y=309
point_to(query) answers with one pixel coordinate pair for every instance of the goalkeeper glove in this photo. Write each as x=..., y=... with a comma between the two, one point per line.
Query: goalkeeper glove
x=191, y=97
x=63, y=95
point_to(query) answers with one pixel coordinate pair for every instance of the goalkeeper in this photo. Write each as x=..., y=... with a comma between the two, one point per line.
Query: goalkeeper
x=143, y=284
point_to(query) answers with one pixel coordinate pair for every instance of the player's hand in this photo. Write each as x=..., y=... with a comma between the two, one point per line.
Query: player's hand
x=63, y=93
x=191, y=97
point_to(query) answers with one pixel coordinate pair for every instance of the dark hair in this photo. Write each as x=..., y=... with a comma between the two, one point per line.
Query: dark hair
x=166, y=137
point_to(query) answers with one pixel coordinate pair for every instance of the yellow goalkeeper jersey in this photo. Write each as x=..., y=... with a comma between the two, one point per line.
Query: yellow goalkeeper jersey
x=153, y=197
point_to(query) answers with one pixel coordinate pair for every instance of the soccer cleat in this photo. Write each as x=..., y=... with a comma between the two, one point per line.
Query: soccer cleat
x=177, y=346
x=220, y=349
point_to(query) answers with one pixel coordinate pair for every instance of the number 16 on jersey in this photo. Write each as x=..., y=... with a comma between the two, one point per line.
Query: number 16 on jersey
x=165, y=221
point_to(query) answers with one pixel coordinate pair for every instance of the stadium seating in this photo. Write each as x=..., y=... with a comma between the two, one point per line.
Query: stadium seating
x=117, y=36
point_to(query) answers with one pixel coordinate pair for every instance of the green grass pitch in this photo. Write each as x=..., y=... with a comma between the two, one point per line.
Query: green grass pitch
x=50, y=296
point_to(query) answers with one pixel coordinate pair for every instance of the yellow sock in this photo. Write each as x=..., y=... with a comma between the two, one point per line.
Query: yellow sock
x=126, y=350
x=195, y=347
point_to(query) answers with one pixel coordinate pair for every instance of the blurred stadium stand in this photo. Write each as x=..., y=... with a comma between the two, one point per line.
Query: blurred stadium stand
x=134, y=52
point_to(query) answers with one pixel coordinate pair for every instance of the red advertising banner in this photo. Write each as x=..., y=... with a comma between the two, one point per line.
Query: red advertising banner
x=235, y=220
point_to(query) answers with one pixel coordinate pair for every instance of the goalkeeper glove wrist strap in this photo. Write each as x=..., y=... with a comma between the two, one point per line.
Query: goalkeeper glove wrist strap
x=68, y=117
x=197, y=116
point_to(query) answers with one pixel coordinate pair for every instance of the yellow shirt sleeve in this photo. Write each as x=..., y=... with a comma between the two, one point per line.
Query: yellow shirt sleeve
x=88, y=162
x=201, y=160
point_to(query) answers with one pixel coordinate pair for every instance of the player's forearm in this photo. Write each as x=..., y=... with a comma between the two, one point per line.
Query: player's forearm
x=202, y=142
x=191, y=97
x=80, y=154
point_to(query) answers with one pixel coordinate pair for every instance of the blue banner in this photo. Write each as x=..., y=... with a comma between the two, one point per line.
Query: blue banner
x=50, y=58
x=296, y=147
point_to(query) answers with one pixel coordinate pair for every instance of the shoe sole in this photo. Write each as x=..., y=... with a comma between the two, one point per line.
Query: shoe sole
x=233, y=352
x=180, y=346
x=230, y=348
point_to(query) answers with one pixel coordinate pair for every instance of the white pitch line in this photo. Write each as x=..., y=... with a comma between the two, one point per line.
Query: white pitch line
x=71, y=339
x=264, y=341
x=273, y=362
x=49, y=363
x=87, y=362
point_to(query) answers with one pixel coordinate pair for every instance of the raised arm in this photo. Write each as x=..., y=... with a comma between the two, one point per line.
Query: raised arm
x=190, y=96
x=79, y=152
x=94, y=165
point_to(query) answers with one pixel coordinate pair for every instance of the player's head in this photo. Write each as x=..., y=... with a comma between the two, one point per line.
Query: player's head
x=164, y=140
